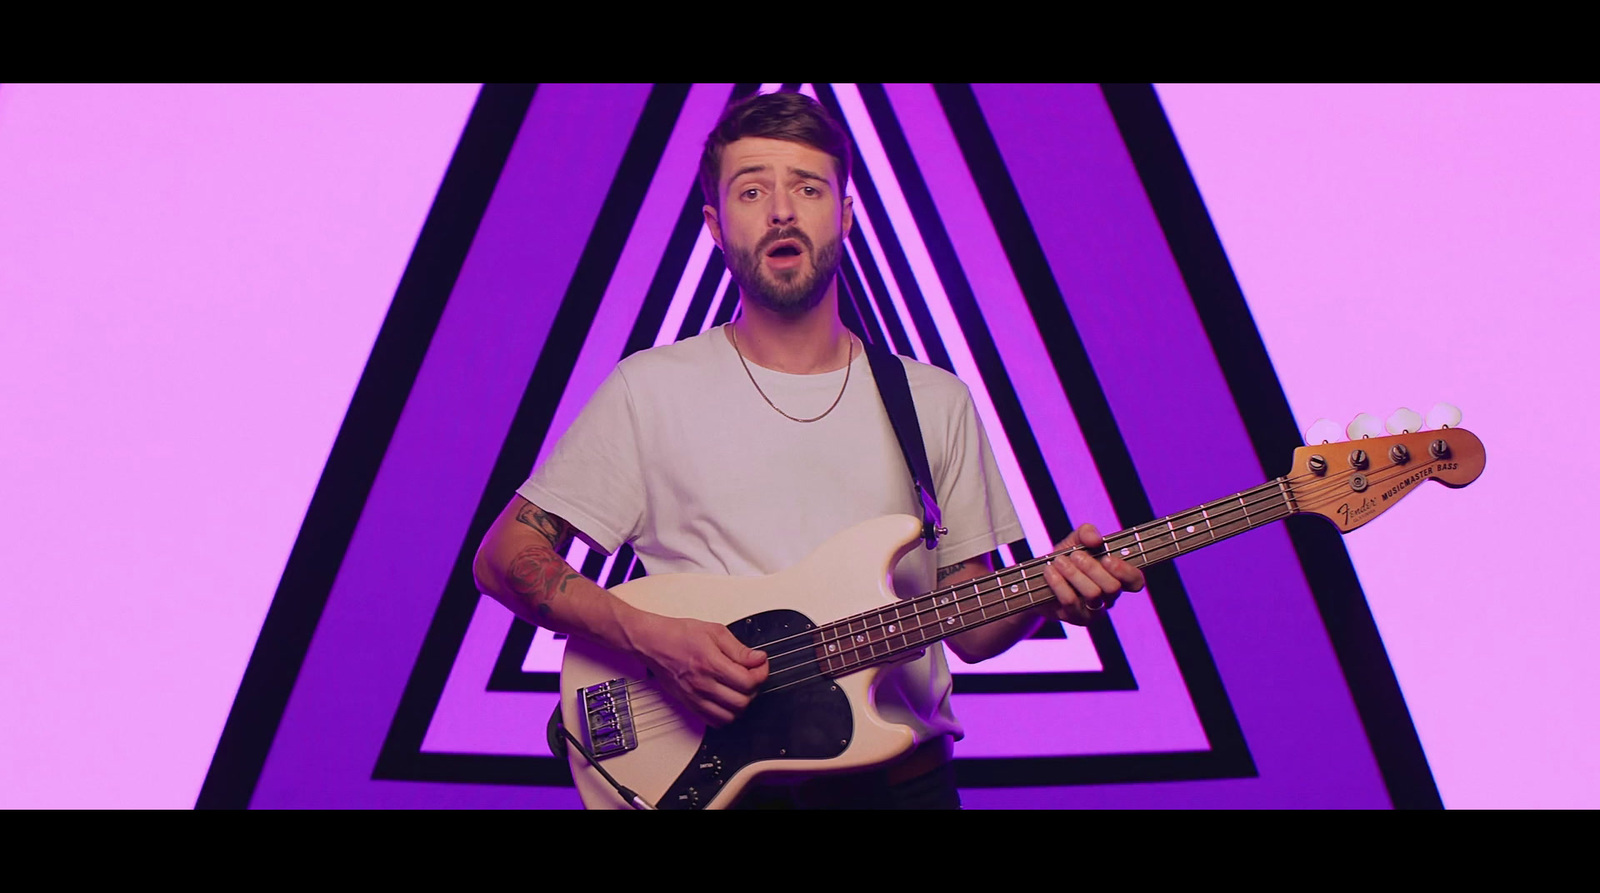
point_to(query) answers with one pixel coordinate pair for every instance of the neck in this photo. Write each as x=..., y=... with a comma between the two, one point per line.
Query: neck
x=893, y=631
x=813, y=342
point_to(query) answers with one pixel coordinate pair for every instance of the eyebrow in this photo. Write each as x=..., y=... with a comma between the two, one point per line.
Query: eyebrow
x=762, y=168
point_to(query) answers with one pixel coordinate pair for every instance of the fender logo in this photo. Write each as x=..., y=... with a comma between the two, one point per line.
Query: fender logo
x=1360, y=512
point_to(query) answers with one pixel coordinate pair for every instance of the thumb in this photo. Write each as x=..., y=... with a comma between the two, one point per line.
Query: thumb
x=741, y=653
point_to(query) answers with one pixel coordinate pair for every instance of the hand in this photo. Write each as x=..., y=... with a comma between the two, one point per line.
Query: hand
x=1086, y=587
x=703, y=666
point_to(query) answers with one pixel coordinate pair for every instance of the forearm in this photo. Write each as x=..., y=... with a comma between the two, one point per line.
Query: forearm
x=992, y=639
x=984, y=642
x=520, y=565
x=699, y=663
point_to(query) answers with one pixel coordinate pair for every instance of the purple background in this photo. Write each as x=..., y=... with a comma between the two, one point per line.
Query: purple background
x=190, y=278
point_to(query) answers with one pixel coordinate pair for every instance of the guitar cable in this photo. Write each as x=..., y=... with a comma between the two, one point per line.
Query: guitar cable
x=556, y=746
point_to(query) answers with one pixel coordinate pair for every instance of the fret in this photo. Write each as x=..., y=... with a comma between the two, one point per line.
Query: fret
x=829, y=649
x=922, y=623
x=985, y=600
x=1229, y=528
x=1149, y=554
x=947, y=614
x=1014, y=587
x=912, y=623
x=1188, y=536
x=847, y=644
x=892, y=629
x=1128, y=552
x=866, y=639
x=877, y=632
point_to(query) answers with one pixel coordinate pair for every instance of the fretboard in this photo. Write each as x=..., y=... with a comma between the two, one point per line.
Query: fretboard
x=888, y=633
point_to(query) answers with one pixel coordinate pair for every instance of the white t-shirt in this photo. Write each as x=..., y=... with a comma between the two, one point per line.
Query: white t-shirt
x=677, y=454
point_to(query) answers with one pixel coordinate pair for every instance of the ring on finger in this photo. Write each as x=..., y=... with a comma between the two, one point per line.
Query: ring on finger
x=1094, y=605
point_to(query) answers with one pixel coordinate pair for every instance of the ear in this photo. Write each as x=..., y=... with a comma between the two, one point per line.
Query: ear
x=713, y=224
x=849, y=215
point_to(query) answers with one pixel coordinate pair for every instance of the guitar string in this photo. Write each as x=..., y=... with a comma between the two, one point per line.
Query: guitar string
x=643, y=716
x=1034, y=583
x=1268, y=497
x=1267, y=494
x=663, y=702
x=1230, y=508
x=1270, y=494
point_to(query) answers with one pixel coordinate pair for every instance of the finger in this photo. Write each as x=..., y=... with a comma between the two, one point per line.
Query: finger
x=1089, y=536
x=1068, y=607
x=1089, y=577
x=1100, y=573
x=712, y=713
x=709, y=708
x=1086, y=535
x=727, y=699
x=1131, y=578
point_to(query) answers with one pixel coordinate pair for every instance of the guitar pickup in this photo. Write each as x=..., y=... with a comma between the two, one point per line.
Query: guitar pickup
x=608, y=719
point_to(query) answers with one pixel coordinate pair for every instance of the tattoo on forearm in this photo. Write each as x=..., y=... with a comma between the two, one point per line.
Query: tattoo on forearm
x=551, y=527
x=947, y=571
x=540, y=575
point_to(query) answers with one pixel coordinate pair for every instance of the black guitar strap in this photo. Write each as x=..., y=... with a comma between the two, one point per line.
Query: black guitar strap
x=890, y=374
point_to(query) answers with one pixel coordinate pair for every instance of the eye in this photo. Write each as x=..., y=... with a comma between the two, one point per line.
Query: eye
x=750, y=193
x=811, y=191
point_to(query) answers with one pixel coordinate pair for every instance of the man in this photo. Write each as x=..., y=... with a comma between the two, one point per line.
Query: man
x=740, y=450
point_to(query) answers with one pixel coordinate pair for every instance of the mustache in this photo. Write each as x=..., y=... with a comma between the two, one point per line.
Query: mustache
x=778, y=235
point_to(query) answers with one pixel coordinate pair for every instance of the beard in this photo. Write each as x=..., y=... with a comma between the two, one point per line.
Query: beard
x=786, y=292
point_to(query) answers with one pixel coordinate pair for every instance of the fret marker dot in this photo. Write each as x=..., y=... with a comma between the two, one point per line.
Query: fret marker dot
x=860, y=638
x=891, y=627
x=1190, y=528
x=832, y=647
x=1013, y=587
x=1124, y=551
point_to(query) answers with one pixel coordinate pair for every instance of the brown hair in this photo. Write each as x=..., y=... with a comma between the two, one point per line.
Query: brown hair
x=794, y=117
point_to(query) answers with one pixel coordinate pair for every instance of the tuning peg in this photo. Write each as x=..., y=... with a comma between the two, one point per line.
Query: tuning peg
x=1323, y=431
x=1443, y=415
x=1364, y=425
x=1404, y=421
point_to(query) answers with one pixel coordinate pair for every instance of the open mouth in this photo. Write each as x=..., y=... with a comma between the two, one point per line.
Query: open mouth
x=785, y=248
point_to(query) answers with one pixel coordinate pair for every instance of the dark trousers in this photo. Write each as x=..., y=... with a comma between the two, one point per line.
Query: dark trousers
x=934, y=788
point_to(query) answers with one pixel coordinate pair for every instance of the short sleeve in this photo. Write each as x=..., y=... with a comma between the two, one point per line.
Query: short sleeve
x=593, y=478
x=974, y=505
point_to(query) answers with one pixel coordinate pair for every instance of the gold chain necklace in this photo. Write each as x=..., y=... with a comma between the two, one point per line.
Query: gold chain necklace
x=735, y=340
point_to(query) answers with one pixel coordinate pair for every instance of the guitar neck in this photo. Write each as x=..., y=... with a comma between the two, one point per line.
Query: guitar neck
x=890, y=632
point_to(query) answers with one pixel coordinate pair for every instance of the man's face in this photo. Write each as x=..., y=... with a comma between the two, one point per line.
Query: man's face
x=781, y=223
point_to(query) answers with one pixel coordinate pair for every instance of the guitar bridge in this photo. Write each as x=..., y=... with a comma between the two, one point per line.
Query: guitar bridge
x=608, y=719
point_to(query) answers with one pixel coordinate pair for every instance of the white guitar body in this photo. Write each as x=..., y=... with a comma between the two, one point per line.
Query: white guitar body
x=676, y=760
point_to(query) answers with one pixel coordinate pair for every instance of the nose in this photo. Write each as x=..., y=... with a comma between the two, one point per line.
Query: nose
x=782, y=209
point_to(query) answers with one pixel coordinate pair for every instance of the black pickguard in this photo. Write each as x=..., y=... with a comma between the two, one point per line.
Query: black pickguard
x=810, y=720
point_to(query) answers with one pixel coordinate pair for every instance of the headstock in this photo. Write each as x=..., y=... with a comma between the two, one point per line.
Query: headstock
x=1351, y=482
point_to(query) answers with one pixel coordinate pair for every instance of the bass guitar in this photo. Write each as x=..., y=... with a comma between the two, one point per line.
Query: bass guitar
x=634, y=746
